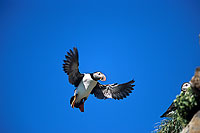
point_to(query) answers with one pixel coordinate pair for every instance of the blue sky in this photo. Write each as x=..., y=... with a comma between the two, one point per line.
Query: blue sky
x=155, y=42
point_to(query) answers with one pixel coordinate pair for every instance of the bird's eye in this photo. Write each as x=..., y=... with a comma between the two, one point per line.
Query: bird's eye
x=99, y=73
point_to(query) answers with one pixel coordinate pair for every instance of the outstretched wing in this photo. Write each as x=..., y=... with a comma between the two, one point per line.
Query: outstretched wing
x=71, y=67
x=115, y=91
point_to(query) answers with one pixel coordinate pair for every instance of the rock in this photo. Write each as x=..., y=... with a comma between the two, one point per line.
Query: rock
x=194, y=125
x=195, y=81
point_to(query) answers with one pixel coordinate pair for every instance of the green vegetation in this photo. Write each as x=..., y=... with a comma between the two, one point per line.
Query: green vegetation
x=185, y=104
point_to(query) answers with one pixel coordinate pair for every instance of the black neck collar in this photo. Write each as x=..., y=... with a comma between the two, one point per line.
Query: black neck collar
x=91, y=74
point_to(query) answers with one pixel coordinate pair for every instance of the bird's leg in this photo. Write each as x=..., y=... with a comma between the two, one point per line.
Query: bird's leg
x=81, y=107
x=84, y=100
x=73, y=102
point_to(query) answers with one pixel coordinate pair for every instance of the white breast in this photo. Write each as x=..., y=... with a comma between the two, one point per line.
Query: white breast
x=85, y=87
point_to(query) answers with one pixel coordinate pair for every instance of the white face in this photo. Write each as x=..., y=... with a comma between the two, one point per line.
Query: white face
x=185, y=86
x=99, y=76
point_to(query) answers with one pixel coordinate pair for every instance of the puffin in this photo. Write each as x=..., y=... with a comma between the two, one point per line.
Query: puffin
x=172, y=107
x=88, y=83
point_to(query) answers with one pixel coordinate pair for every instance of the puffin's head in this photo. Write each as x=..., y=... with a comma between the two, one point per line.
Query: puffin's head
x=98, y=76
x=185, y=86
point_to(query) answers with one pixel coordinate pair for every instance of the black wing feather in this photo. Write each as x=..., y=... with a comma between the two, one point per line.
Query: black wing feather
x=71, y=65
x=170, y=109
x=115, y=91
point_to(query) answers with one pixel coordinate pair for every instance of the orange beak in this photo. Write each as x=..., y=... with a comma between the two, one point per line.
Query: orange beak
x=103, y=78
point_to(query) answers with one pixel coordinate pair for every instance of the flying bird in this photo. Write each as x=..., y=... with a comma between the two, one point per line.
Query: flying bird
x=172, y=107
x=87, y=83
